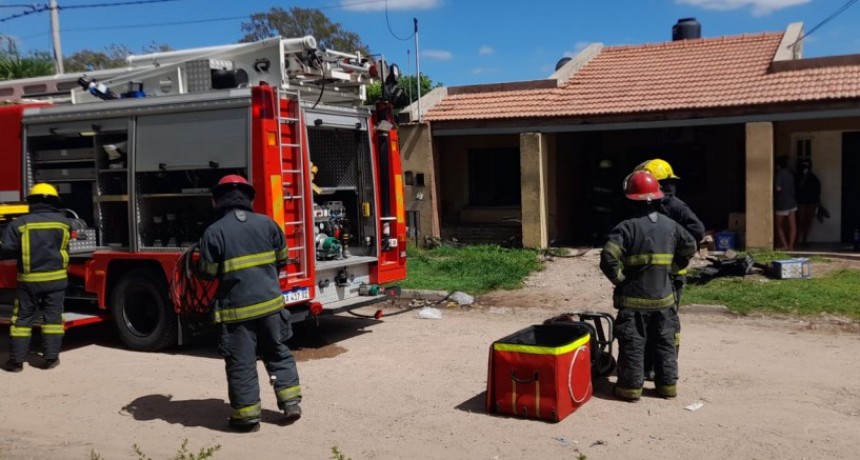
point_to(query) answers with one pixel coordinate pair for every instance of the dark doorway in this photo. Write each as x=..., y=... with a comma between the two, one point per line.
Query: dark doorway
x=494, y=177
x=850, y=184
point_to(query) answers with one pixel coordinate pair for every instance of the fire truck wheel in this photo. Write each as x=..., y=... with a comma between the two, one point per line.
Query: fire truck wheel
x=143, y=313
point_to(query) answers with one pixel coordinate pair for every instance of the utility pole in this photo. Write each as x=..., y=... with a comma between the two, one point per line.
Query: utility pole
x=55, y=32
x=409, y=61
x=417, y=67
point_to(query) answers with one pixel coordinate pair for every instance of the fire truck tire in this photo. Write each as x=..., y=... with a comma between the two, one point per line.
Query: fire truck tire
x=142, y=312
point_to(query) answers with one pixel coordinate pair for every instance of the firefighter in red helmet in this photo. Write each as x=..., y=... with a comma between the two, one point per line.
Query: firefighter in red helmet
x=246, y=251
x=638, y=258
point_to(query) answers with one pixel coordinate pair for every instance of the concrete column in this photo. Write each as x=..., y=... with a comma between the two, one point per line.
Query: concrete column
x=533, y=186
x=759, y=185
x=416, y=151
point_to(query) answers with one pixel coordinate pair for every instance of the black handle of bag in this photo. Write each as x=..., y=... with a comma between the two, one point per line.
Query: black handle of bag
x=523, y=381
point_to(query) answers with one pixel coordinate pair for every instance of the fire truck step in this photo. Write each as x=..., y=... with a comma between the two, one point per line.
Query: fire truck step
x=287, y=119
x=71, y=319
x=339, y=263
x=355, y=302
x=291, y=145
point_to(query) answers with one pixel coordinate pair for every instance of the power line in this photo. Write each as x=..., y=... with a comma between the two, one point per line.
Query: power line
x=388, y=22
x=102, y=5
x=833, y=16
x=36, y=9
x=154, y=24
x=44, y=7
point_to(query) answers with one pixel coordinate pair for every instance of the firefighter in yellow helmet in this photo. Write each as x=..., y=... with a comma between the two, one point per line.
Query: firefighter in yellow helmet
x=674, y=208
x=39, y=241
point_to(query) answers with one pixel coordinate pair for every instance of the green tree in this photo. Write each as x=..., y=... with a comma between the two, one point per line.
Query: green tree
x=298, y=22
x=112, y=57
x=13, y=65
x=410, y=90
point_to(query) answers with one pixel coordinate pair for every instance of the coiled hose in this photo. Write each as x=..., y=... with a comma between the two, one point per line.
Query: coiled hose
x=190, y=293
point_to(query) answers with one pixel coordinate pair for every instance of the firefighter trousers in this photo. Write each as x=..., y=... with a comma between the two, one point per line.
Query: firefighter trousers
x=679, y=283
x=32, y=300
x=635, y=329
x=241, y=342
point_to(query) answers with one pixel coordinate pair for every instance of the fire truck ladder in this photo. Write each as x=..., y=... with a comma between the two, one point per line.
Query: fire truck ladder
x=292, y=154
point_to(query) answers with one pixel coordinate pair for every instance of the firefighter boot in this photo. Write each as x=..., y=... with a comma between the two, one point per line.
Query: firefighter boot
x=248, y=425
x=51, y=363
x=667, y=391
x=292, y=412
x=13, y=366
x=627, y=394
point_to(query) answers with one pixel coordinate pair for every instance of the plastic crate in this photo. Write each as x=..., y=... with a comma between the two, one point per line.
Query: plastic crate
x=787, y=269
x=724, y=241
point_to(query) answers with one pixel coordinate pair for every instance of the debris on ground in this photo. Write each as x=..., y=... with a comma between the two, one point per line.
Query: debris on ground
x=695, y=406
x=461, y=298
x=429, y=313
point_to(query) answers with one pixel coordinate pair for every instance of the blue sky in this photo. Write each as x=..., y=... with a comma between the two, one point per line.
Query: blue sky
x=461, y=41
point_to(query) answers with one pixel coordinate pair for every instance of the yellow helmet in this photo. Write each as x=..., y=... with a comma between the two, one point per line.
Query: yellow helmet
x=660, y=169
x=43, y=190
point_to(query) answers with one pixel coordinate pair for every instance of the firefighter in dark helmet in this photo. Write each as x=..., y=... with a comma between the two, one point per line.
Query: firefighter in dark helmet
x=39, y=241
x=245, y=252
x=638, y=259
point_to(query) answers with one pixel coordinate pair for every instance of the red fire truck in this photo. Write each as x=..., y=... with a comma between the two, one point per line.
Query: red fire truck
x=134, y=153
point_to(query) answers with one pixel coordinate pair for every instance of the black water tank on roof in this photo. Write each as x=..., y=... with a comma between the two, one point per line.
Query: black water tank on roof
x=561, y=62
x=686, y=29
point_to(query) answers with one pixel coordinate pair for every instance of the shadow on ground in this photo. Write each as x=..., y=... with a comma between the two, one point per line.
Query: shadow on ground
x=205, y=413
x=311, y=340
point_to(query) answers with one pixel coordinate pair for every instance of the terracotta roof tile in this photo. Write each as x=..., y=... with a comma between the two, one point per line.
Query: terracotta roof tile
x=690, y=74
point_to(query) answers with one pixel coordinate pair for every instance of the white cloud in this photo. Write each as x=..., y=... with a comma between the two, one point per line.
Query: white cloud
x=486, y=50
x=577, y=48
x=440, y=55
x=759, y=7
x=379, y=5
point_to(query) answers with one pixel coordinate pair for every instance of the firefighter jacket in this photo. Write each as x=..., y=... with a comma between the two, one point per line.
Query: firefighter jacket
x=639, y=256
x=244, y=250
x=39, y=241
x=680, y=212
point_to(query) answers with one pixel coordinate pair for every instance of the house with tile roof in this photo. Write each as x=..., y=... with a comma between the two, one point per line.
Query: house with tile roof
x=523, y=159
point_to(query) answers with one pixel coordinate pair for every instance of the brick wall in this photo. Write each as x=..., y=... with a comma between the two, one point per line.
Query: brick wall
x=483, y=234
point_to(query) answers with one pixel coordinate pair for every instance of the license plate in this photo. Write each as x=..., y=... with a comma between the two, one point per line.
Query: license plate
x=297, y=295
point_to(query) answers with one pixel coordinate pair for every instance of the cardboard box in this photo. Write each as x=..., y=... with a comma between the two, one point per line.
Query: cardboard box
x=737, y=222
x=789, y=269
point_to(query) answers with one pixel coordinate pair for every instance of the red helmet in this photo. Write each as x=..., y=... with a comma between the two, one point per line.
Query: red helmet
x=231, y=182
x=642, y=186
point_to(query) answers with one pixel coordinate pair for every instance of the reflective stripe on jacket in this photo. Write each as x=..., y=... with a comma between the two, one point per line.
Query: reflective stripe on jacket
x=639, y=256
x=40, y=242
x=244, y=250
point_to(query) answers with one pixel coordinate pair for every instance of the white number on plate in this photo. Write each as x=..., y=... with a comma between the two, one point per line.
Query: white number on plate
x=297, y=295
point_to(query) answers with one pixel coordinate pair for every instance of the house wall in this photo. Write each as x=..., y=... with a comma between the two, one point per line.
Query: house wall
x=452, y=170
x=759, y=185
x=416, y=150
x=826, y=146
x=534, y=183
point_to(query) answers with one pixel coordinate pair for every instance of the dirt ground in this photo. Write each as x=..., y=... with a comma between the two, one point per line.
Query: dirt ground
x=409, y=388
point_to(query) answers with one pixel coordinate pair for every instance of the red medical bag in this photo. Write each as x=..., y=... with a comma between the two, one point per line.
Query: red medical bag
x=541, y=372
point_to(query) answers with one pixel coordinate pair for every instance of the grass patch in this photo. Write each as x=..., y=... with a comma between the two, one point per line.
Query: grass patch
x=834, y=293
x=472, y=269
x=766, y=257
